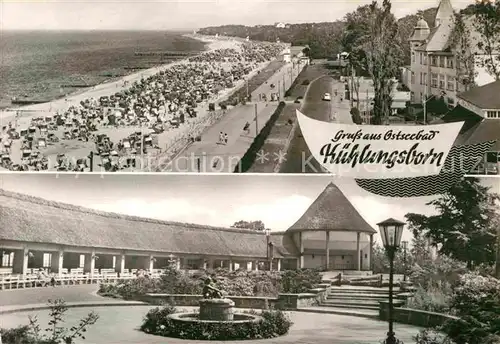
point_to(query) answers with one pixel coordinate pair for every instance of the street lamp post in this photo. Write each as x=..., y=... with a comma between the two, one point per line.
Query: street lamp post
x=391, y=231
x=269, y=249
x=405, y=247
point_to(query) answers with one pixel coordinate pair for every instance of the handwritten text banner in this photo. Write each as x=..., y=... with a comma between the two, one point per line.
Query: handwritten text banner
x=375, y=151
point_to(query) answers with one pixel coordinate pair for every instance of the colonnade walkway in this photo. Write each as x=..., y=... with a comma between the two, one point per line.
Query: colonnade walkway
x=308, y=328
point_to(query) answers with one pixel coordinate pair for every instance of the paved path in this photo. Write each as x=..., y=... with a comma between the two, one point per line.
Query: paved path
x=216, y=157
x=119, y=324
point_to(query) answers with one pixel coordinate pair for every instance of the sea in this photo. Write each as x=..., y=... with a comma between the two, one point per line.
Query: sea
x=45, y=65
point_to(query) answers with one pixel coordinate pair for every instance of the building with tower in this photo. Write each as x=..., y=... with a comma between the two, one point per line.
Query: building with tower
x=433, y=69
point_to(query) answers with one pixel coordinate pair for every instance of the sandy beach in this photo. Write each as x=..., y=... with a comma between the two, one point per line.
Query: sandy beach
x=21, y=117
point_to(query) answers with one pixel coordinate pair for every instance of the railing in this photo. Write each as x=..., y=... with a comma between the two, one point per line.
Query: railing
x=33, y=280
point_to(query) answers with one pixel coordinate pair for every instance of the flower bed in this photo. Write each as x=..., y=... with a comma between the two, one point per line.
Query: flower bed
x=268, y=324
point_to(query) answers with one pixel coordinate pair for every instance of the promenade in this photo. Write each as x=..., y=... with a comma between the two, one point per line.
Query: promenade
x=208, y=155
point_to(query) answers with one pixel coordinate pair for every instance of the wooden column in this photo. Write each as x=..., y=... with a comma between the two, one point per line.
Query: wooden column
x=120, y=264
x=370, y=261
x=327, y=250
x=301, y=252
x=151, y=265
x=57, y=261
x=358, y=251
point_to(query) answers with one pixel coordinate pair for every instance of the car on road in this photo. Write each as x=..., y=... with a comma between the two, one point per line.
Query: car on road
x=327, y=97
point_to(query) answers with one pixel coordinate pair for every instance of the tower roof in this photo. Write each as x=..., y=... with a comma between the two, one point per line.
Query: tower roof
x=422, y=24
x=331, y=211
x=444, y=11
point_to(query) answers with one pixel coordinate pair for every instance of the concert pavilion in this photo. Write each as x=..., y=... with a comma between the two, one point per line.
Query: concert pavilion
x=61, y=238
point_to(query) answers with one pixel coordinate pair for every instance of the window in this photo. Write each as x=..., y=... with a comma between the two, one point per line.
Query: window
x=434, y=80
x=82, y=261
x=425, y=59
x=442, y=60
x=434, y=61
x=450, y=83
x=421, y=78
x=451, y=101
x=449, y=62
x=412, y=56
x=412, y=77
x=492, y=114
x=425, y=79
x=421, y=58
x=441, y=81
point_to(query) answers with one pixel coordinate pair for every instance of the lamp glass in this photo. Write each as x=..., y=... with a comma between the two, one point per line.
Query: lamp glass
x=391, y=234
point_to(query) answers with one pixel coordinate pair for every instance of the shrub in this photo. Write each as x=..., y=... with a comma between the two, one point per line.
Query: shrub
x=272, y=324
x=436, y=297
x=156, y=318
x=130, y=289
x=54, y=333
x=429, y=336
x=476, y=301
x=299, y=281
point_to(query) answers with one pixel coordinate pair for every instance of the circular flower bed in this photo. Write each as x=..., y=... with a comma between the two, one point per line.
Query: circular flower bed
x=166, y=322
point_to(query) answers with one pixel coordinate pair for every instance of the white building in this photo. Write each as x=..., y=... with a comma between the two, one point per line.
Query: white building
x=280, y=25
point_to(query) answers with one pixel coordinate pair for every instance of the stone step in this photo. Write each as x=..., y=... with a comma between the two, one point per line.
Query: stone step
x=349, y=305
x=357, y=296
x=363, y=313
x=354, y=302
x=360, y=292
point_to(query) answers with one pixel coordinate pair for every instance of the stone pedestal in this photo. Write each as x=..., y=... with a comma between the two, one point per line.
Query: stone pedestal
x=216, y=309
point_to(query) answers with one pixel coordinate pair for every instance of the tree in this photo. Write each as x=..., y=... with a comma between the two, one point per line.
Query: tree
x=372, y=40
x=356, y=117
x=464, y=54
x=486, y=21
x=254, y=225
x=464, y=228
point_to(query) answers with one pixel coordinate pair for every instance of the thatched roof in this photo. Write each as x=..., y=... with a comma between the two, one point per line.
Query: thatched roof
x=331, y=211
x=30, y=219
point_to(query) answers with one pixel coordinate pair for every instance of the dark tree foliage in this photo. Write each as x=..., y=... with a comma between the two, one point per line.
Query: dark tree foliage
x=464, y=227
x=254, y=225
x=373, y=42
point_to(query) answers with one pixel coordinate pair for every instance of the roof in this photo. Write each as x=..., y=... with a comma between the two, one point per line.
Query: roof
x=331, y=211
x=444, y=11
x=484, y=97
x=30, y=219
x=486, y=130
x=470, y=119
x=476, y=129
x=440, y=38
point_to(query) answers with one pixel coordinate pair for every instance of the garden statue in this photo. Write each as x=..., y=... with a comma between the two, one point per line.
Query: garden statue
x=209, y=291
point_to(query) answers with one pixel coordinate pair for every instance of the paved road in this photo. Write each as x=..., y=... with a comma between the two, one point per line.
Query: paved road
x=299, y=158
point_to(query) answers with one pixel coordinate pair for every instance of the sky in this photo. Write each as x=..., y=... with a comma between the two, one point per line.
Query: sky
x=181, y=14
x=217, y=200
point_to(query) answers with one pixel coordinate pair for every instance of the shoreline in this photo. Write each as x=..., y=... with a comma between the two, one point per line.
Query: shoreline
x=50, y=108
x=12, y=109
